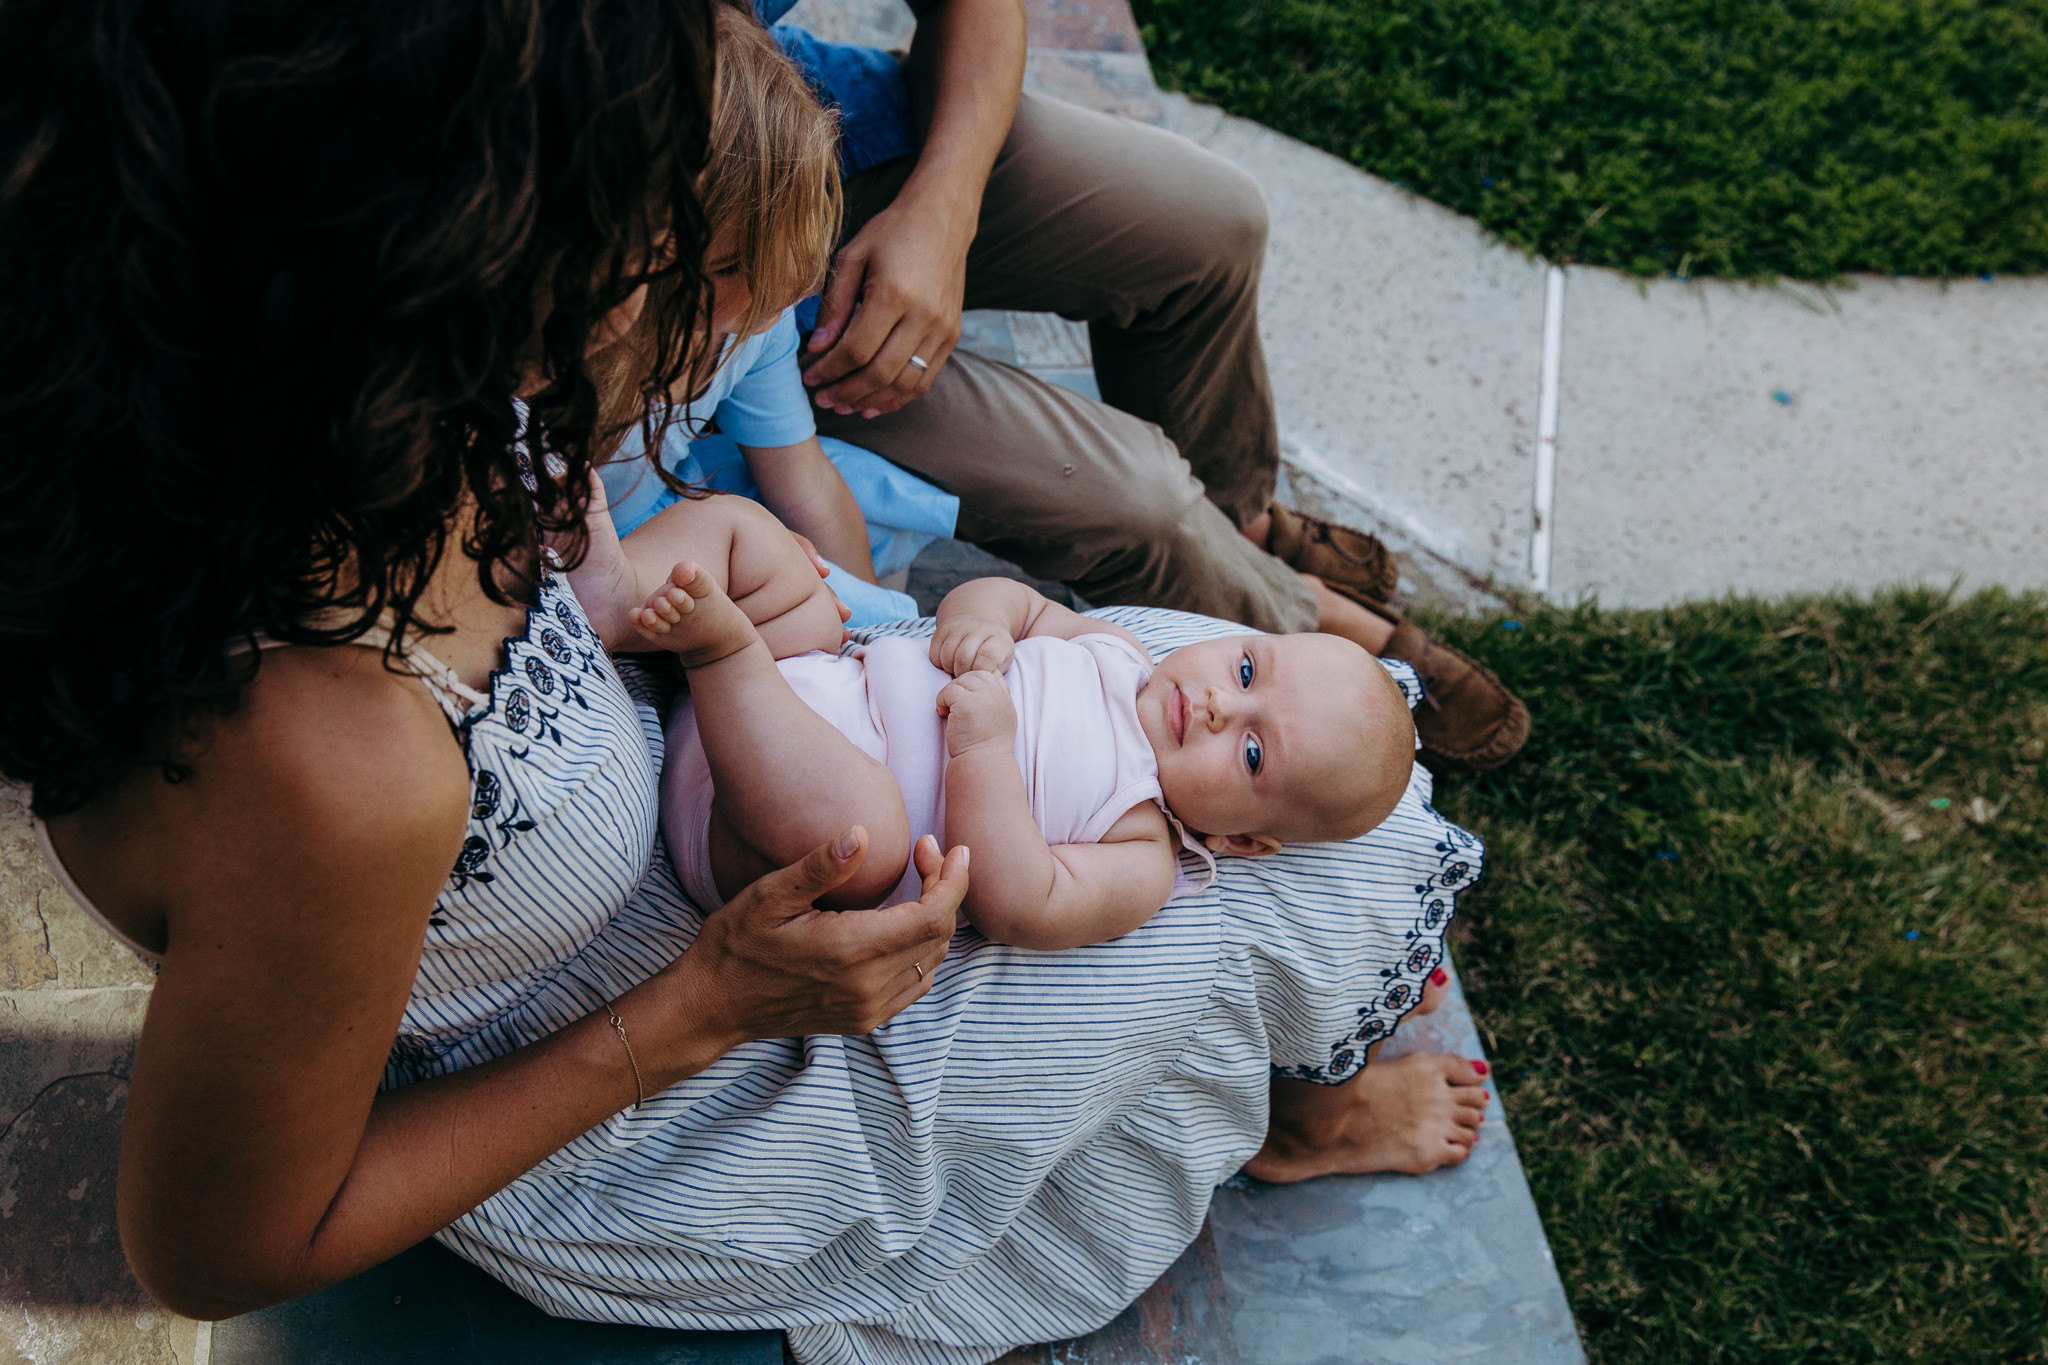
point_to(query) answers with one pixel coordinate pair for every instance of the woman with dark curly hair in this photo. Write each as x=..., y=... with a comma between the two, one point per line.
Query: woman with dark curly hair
x=275, y=273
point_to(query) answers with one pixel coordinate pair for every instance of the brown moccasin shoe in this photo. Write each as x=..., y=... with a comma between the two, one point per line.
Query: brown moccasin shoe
x=1351, y=562
x=1468, y=717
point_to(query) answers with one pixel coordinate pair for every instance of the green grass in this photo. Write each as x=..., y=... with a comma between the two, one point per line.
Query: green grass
x=1762, y=1123
x=1804, y=138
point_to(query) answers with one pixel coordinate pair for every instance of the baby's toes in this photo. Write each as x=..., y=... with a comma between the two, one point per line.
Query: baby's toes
x=689, y=581
x=672, y=603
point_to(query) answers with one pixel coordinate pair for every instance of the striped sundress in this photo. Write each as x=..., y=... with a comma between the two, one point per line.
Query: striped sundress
x=1013, y=1159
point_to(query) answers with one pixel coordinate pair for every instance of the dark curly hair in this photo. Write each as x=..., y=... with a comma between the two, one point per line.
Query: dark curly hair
x=274, y=270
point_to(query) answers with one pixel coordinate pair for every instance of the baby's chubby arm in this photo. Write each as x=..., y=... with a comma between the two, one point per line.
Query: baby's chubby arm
x=981, y=621
x=1027, y=893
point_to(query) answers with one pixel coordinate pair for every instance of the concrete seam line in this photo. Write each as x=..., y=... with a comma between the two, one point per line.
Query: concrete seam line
x=1546, y=431
x=202, y=1343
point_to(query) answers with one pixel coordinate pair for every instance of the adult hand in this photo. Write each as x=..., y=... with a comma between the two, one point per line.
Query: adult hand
x=824, y=569
x=896, y=292
x=772, y=965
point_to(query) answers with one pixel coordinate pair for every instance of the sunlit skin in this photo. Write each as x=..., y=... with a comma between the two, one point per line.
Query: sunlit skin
x=1258, y=736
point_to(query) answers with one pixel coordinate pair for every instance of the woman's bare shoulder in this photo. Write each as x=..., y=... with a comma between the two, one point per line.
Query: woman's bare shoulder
x=332, y=770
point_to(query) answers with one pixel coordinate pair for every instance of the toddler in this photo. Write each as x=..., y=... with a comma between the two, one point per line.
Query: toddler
x=1050, y=744
x=741, y=420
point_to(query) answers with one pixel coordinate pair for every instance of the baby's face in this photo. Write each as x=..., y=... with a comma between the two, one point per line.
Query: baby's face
x=1277, y=738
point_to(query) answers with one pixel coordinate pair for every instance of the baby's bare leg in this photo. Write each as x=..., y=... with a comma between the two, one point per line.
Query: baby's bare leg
x=753, y=559
x=783, y=779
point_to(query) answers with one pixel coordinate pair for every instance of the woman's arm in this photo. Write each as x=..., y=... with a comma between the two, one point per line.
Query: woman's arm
x=1027, y=893
x=296, y=869
x=897, y=288
x=808, y=495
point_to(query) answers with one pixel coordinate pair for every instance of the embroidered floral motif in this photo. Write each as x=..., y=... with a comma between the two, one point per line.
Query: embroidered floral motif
x=483, y=802
x=553, y=644
x=541, y=676
x=476, y=851
x=1460, y=860
x=566, y=614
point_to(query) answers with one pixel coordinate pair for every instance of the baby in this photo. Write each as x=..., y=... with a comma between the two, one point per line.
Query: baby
x=1072, y=767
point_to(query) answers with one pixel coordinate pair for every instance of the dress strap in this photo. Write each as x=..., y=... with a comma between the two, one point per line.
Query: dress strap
x=455, y=697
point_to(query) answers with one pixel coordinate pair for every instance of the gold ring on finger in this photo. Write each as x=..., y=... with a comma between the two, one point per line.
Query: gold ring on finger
x=918, y=967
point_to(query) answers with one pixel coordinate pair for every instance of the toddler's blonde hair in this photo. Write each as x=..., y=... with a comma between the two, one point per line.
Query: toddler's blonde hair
x=770, y=189
x=773, y=178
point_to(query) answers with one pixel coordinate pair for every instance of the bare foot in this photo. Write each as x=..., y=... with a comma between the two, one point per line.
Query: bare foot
x=1411, y=1114
x=1433, y=991
x=691, y=615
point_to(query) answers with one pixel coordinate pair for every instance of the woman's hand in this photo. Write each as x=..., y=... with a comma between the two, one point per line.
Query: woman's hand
x=772, y=965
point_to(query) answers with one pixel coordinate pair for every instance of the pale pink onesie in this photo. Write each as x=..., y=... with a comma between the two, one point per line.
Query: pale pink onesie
x=1084, y=756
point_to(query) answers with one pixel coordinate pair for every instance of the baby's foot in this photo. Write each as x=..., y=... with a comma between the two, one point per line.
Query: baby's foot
x=1412, y=1113
x=691, y=615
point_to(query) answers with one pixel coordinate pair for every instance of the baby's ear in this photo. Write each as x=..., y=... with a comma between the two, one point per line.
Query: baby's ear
x=1243, y=845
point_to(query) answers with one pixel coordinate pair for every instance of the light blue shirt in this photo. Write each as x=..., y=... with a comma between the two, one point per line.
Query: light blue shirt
x=756, y=397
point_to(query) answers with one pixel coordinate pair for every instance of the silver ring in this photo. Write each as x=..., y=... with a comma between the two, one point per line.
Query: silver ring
x=919, y=969
x=920, y=362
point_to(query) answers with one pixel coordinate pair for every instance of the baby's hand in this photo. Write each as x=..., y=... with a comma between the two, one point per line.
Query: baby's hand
x=964, y=642
x=977, y=709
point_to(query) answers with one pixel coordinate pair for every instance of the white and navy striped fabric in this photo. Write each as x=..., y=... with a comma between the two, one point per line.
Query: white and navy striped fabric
x=561, y=830
x=1013, y=1159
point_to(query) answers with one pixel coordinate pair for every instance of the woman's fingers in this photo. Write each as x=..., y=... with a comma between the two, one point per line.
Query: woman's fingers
x=792, y=889
x=781, y=967
x=817, y=560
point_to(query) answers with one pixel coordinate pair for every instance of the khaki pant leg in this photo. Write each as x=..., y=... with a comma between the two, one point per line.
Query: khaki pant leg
x=1073, y=490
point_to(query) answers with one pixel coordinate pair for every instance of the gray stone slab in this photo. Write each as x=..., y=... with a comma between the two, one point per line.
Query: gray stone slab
x=66, y=1293
x=1395, y=1269
x=1359, y=1270
x=1405, y=347
x=887, y=24
x=1720, y=437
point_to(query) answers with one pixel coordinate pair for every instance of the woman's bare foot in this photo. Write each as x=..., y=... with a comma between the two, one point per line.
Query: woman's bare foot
x=691, y=615
x=1433, y=991
x=1412, y=1114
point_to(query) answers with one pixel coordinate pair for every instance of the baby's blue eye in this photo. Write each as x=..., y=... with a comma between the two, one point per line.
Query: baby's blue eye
x=1253, y=754
x=1244, y=671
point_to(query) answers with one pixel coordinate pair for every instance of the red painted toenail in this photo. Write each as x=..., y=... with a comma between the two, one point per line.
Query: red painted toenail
x=1438, y=977
x=1481, y=1068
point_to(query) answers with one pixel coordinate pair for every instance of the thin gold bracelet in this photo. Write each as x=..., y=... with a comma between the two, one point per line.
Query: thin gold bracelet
x=619, y=1027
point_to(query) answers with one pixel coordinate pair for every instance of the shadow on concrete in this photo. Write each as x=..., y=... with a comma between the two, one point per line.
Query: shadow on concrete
x=58, y=1156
